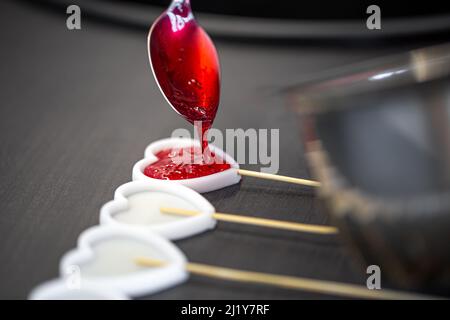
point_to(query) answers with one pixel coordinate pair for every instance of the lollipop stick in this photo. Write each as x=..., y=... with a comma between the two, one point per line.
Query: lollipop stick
x=296, y=283
x=293, y=226
x=276, y=177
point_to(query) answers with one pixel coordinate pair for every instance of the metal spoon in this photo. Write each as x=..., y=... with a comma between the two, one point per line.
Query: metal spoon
x=185, y=64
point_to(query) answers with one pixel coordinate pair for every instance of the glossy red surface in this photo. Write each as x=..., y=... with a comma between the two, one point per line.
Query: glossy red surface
x=187, y=163
x=185, y=64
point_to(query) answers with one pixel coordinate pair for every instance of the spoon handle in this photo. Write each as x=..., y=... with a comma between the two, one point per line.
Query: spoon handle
x=180, y=2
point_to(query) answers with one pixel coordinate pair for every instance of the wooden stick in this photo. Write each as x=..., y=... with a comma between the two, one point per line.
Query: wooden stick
x=289, y=282
x=269, y=223
x=276, y=177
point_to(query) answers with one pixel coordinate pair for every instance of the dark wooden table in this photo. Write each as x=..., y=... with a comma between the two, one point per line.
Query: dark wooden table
x=77, y=109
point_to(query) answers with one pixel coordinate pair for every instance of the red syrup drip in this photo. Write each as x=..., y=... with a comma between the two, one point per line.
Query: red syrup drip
x=186, y=65
x=186, y=163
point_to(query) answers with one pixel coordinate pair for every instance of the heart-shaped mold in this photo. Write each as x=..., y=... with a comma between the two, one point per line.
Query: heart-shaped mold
x=136, y=206
x=59, y=289
x=105, y=256
x=203, y=184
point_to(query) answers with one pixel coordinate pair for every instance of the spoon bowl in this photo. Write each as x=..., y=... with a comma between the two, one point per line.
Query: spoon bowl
x=185, y=64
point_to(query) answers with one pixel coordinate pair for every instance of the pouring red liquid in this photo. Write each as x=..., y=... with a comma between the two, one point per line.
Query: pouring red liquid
x=186, y=66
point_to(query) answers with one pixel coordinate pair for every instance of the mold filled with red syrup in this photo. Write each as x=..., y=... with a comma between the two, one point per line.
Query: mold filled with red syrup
x=186, y=65
x=186, y=163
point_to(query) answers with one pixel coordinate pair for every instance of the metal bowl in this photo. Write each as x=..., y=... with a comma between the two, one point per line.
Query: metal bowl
x=378, y=139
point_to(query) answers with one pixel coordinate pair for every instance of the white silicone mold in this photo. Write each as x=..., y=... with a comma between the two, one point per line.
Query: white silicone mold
x=102, y=264
x=58, y=289
x=168, y=226
x=202, y=184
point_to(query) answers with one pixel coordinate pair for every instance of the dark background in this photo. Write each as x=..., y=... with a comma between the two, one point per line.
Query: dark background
x=318, y=10
x=77, y=109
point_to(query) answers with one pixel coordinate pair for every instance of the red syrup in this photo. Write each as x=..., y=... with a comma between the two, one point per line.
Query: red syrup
x=186, y=163
x=186, y=66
